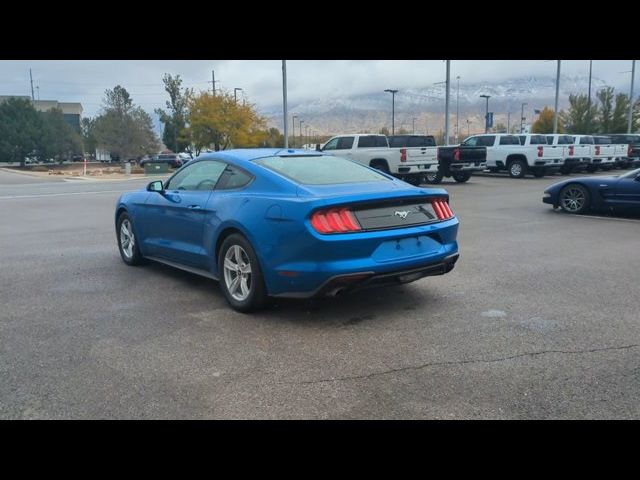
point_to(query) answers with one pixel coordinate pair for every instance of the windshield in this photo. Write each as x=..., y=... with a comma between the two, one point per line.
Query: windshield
x=321, y=170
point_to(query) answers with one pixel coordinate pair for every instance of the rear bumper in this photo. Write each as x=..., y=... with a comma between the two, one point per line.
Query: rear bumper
x=343, y=283
x=417, y=169
x=468, y=167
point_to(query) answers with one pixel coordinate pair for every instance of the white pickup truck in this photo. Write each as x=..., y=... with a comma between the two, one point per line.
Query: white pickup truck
x=575, y=156
x=409, y=164
x=507, y=152
x=604, y=154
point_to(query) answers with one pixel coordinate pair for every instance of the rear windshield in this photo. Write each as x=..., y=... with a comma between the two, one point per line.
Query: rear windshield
x=586, y=140
x=602, y=140
x=404, y=141
x=565, y=140
x=321, y=170
x=625, y=139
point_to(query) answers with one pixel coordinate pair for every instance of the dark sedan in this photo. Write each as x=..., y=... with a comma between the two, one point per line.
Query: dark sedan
x=171, y=158
x=579, y=195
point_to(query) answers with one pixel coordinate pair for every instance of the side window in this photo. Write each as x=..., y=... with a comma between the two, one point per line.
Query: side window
x=381, y=142
x=345, y=143
x=487, y=141
x=232, y=178
x=586, y=140
x=366, y=142
x=550, y=140
x=331, y=144
x=197, y=176
x=523, y=139
x=471, y=142
x=509, y=140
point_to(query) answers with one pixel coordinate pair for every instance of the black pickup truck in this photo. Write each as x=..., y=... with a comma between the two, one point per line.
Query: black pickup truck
x=459, y=162
x=633, y=152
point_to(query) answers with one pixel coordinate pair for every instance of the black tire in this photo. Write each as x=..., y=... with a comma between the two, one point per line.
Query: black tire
x=461, y=177
x=433, y=178
x=574, y=198
x=256, y=296
x=380, y=165
x=517, y=169
x=130, y=256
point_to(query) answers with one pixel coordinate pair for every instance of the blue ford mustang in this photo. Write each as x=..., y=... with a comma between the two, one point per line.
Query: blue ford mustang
x=579, y=195
x=288, y=223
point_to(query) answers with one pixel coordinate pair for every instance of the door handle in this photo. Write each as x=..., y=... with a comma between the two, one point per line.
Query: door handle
x=194, y=207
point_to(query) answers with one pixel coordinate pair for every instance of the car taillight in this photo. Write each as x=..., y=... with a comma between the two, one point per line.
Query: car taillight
x=539, y=150
x=335, y=220
x=403, y=154
x=456, y=154
x=597, y=149
x=441, y=207
x=571, y=148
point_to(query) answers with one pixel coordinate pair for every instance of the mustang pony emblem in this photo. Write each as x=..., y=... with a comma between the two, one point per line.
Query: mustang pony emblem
x=402, y=215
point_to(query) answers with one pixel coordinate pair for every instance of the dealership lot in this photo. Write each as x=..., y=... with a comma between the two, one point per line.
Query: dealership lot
x=537, y=320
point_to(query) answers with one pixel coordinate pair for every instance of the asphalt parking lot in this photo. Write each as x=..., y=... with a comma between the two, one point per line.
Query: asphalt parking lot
x=538, y=320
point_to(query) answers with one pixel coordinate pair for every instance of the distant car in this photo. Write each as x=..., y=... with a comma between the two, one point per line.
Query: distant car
x=185, y=157
x=288, y=223
x=173, y=159
x=579, y=195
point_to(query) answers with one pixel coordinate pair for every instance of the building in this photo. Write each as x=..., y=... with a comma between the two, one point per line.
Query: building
x=72, y=111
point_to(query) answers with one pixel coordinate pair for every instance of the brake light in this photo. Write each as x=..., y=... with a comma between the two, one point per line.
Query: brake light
x=539, y=150
x=335, y=220
x=441, y=207
x=456, y=155
x=597, y=149
x=571, y=148
x=403, y=154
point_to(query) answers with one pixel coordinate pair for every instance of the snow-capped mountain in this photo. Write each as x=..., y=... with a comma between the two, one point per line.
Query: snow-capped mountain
x=424, y=108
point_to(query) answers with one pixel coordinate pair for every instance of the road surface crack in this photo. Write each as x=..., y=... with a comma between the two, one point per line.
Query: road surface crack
x=463, y=362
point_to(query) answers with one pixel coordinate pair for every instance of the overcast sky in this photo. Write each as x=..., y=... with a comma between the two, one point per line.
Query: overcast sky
x=261, y=80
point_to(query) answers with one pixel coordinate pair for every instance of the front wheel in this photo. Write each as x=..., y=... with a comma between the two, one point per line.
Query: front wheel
x=127, y=242
x=574, y=199
x=461, y=177
x=241, y=279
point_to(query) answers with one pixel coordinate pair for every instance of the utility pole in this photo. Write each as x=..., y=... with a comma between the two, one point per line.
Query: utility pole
x=555, y=112
x=522, y=118
x=413, y=127
x=301, y=139
x=213, y=82
x=508, y=122
x=285, y=115
x=393, y=109
x=31, y=77
x=633, y=77
x=486, y=116
x=446, y=106
x=589, y=99
x=468, y=123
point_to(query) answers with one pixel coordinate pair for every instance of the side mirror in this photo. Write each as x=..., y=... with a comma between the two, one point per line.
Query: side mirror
x=156, y=186
x=318, y=149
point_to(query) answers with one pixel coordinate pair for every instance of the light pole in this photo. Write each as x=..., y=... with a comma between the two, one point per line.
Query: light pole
x=393, y=109
x=235, y=94
x=285, y=113
x=508, y=122
x=555, y=111
x=486, y=115
x=413, y=125
x=446, y=105
x=522, y=118
x=458, y=111
x=300, y=125
x=633, y=77
x=468, y=123
x=293, y=134
x=589, y=99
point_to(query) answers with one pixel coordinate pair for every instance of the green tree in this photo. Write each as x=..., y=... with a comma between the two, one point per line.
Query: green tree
x=544, y=123
x=580, y=118
x=605, y=117
x=619, y=120
x=88, y=137
x=175, y=119
x=273, y=138
x=124, y=129
x=20, y=127
x=58, y=139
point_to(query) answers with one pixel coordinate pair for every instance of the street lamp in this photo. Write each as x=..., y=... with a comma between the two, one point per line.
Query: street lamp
x=393, y=109
x=300, y=124
x=413, y=127
x=522, y=118
x=555, y=111
x=285, y=107
x=486, y=116
x=235, y=94
x=630, y=114
x=468, y=123
x=458, y=110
